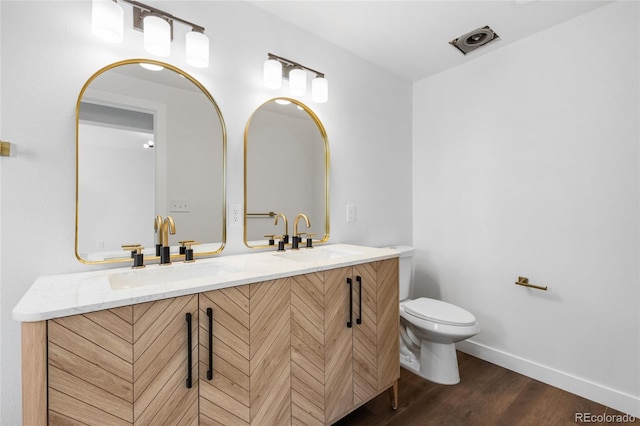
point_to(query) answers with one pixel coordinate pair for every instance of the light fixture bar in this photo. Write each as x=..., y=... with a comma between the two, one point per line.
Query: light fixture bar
x=137, y=23
x=275, y=68
x=289, y=64
x=140, y=14
x=107, y=18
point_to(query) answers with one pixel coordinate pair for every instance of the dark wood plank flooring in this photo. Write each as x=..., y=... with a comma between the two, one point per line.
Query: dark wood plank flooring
x=486, y=395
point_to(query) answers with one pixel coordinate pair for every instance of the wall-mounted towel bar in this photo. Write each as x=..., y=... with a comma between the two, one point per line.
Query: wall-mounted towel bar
x=524, y=281
x=270, y=214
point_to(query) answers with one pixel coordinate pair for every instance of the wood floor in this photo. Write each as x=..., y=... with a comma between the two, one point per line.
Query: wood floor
x=486, y=395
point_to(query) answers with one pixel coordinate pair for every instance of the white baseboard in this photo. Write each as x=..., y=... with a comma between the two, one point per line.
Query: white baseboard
x=615, y=399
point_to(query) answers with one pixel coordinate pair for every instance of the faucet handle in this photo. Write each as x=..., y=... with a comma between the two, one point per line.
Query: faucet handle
x=310, y=236
x=183, y=247
x=131, y=247
x=188, y=252
x=136, y=254
x=281, y=242
x=271, y=240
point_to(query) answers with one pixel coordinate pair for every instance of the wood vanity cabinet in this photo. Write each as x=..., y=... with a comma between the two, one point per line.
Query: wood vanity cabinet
x=250, y=362
x=124, y=366
x=130, y=365
x=276, y=352
x=338, y=362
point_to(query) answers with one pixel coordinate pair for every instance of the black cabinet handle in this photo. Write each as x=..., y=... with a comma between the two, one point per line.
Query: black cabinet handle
x=350, y=303
x=189, y=360
x=210, y=372
x=359, y=320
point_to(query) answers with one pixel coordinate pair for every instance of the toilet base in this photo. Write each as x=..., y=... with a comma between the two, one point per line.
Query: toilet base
x=438, y=362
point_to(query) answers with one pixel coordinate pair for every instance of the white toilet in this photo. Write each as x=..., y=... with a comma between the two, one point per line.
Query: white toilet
x=429, y=329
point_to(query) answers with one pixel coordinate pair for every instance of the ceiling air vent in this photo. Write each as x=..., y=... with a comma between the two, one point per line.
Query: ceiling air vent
x=474, y=39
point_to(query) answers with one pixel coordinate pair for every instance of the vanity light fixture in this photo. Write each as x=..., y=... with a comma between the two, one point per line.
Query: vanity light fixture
x=157, y=35
x=272, y=73
x=107, y=22
x=197, y=48
x=276, y=68
x=297, y=82
x=320, y=90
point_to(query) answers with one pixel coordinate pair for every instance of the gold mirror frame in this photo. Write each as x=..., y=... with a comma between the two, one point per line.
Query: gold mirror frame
x=323, y=134
x=184, y=74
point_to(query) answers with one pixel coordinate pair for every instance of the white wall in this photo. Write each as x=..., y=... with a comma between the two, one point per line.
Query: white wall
x=48, y=53
x=1, y=310
x=525, y=163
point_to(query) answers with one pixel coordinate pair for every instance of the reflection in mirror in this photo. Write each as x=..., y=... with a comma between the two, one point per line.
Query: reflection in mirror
x=286, y=171
x=148, y=143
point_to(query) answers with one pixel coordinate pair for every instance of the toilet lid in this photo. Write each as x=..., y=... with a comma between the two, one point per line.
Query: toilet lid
x=439, y=311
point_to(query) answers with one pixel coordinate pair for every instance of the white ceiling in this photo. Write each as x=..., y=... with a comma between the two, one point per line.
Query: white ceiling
x=411, y=38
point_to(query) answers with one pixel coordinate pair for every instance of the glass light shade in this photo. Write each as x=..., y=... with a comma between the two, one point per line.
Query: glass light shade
x=319, y=90
x=157, y=36
x=297, y=82
x=197, y=49
x=272, y=74
x=107, y=20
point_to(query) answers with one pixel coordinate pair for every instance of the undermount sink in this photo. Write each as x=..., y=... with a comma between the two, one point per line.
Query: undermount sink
x=156, y=274
x=318, y=253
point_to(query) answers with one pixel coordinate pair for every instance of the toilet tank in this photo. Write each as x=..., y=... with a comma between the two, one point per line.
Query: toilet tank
x=406, y=269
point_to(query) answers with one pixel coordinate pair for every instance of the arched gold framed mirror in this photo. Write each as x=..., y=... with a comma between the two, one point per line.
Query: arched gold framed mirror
x=148, y=143
x=286, y=170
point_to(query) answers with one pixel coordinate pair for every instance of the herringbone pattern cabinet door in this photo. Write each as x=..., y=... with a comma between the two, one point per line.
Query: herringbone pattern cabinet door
x=90, y=368
x=338, y=350
x=365, y=347
x=160, y=371
x=388, y=322
x=225, y=399
x=124, y=366
x=269, y=352
x=307, y=349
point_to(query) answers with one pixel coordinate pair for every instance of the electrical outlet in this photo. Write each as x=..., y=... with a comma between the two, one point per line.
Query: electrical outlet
x=235, y=215
x=180, y=205
x=351, y=212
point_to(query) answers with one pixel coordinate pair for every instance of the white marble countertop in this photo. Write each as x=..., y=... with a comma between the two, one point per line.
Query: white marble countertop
x=61, y=295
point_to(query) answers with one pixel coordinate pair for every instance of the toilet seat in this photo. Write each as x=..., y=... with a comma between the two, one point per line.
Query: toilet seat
x=439, y=312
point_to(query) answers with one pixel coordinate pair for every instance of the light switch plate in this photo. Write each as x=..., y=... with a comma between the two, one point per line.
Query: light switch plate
x=235, y=215
x=180, y=205
x=351, y=212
